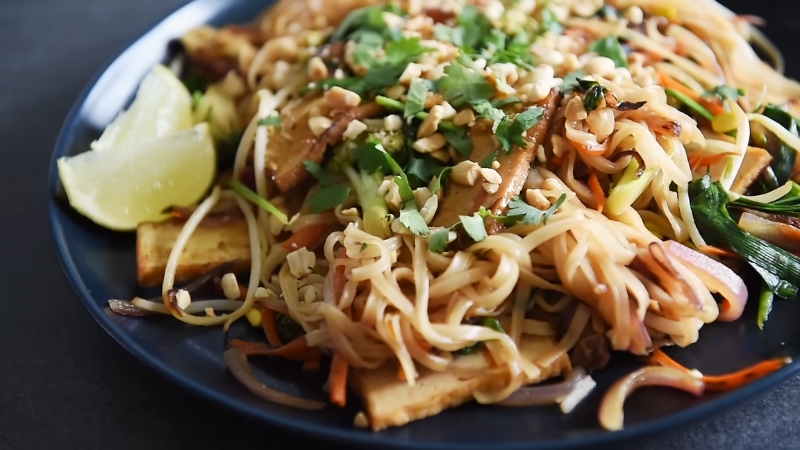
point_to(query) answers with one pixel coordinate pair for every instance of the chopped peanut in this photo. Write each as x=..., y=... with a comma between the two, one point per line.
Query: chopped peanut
x=230, y=287
x=464, y=117
x=536, y=199
x=354, y=128
x=431, y=123
x=301, y=262
x=342, y=98
x=491, y=188
x=466, y=173
x=282, y=48
x=412, y=72
x=319, y=124
x=491, y=176
x=430, y=144
x=317, y=70
x=392, y=122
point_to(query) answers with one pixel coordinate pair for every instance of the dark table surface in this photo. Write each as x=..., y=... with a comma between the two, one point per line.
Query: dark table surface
x=64, y=383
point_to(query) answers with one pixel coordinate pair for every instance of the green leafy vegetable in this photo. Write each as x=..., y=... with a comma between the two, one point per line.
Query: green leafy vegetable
x=412, y=219
x=288, y=329
x=463, y=85
x=485, y=109
x=329, y=194
x=783, y=156
x=522, y=123
x=415, y=101
x=724, y=92
x=460, y=140
x=274, y=121
x=453, y=35
x=765, y=301
x=789, y=205
x=610, y=47
x=571, y=81
x=690, y=103
x=258, y=200
x=596, y=93
x=550, y=23
x=488, y=322
x=779, y=269
x=437, y=243
x=438, y=179
x=490, y=158
x=474, y=24
x=520, y=211
x=373, y=205
x=474, y=226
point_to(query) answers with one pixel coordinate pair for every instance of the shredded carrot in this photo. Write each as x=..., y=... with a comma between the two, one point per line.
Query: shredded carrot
x=305, y=237
x=728, y=381
x=297, y=347
x=401, y=374
x=705, y=161
x=669, y=82
x=312, y=364
x=338, y=379
x=558, y=160
x=717, y=251
x=595, y=149
x=597, y=191
x=270, y=327
x=489, y=357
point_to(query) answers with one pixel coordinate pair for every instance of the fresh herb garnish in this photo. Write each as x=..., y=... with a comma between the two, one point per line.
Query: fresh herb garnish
x=610, y=47
x=690, y=103
x=571, y=81
x=474, y=226
x=463, y=85
x=550, y=23
x=520, y=211
x=474, y=24
x=460, y=140
x=415, y=101
x=724, y=92
x=490, y=158
x=329, y=194
x=594, y=95
x=485, y=109
x=258, y=200
x=437, y=243
x=783, y=156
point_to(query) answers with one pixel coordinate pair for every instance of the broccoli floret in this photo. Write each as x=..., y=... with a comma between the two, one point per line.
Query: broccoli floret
x=373, y=206
x=343, y=154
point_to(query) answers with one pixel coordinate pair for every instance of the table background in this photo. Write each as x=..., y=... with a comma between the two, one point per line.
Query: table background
x=64, y=383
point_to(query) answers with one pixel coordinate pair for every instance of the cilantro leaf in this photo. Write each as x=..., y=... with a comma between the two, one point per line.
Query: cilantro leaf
x=372, y=157
x=460, y=140
x=437, y=243
x=571, y=81
x=328, y=195
x=417, y=172
x=487, y=162
x=412, y=219
x=474, y=226
x=550, y=23
x=415, y=102
x=510, y=133
x=521, y=211
x=610, y=47
x=475, y=25
x=274, y=121
x=463, y=85
x=506, y=101
x=439, y=178
x=453, y=35
x=485, y=109
x=724, y=92
x=368, y=19
x=403, y=51
x=594, y=95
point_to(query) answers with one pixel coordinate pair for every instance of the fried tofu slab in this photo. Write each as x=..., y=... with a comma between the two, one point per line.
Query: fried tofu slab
x=390, y=402
x=209, y=247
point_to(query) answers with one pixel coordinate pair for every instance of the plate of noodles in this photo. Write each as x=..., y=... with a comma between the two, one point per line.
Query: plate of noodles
x=431, y=223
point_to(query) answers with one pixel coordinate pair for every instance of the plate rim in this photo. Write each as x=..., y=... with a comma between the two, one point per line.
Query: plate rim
x=326, y=432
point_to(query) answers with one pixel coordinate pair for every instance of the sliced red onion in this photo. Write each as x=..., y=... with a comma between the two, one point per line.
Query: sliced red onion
x=716, y=276
x=611, y=414
x=237, y=363
x=545, y=395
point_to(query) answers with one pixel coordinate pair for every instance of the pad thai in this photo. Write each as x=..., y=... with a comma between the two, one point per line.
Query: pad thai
x=444, y=201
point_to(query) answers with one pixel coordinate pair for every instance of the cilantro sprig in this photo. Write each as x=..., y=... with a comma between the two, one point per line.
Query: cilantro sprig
x=329, y=194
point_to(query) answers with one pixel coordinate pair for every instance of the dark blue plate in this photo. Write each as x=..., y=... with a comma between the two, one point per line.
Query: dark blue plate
x=101, y=265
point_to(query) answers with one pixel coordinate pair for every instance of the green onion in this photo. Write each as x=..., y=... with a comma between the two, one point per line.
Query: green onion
x=259, y=201
x=696, y=107
x=764, y=305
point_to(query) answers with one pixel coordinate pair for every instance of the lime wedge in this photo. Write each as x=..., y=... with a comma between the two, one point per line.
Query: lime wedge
x=162, y=106
x=134, y=184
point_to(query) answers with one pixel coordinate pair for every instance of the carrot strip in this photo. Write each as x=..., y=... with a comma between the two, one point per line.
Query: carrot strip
x=270, y=327
x=305, y=237
x=597, y=191
x=401, y=374
x=728, y=381
x=558, y=160
x=312, y=364
x=338, y=379
x=705, y=161
x=295, y=347
x=716, y=251
x=669, y=82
